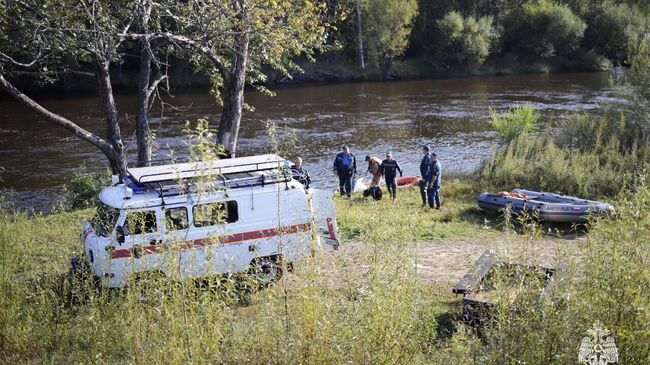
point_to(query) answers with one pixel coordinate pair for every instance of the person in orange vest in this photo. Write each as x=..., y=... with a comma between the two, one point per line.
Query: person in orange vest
x=374, y=168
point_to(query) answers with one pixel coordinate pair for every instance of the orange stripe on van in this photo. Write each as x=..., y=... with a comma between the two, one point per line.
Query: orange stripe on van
x=223, y=240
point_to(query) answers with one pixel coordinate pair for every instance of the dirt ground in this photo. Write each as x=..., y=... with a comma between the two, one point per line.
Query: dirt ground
x=446, y=262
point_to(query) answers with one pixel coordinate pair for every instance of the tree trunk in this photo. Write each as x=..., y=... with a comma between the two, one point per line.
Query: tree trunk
x=142, y=131
x=386, y=66
x=113, y=134
x=83, y=134
x=233, y=93
x=360, y=36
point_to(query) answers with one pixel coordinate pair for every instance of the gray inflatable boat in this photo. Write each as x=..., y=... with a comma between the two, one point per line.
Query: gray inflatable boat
x=547, y=207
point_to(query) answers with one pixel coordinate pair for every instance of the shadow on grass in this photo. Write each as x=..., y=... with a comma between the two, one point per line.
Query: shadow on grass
x=447, y=322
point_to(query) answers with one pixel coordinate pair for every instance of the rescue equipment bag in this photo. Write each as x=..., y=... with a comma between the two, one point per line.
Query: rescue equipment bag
x=375, y=192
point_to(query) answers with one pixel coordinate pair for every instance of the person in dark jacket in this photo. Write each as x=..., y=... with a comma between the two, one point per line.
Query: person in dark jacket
x=425, y=165
x=300, y=173
x=389, y=169
x=434, y=180
x=345, y=165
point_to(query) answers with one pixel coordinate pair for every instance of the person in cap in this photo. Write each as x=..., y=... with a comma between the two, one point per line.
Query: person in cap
x=434, y=180
x=345, y=165
x=389, y=168
x=300, y=173
x=374, y=168
x=425, y=165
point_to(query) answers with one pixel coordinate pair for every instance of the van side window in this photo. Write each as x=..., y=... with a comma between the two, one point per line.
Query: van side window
x=176, y=218
x=141, y=222
x=215, y=213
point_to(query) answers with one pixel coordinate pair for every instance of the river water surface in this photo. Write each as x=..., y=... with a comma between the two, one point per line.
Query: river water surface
x=451, y=115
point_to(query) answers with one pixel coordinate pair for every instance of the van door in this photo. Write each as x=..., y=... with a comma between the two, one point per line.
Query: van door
x=143, y=238
x=176, y=237
x=324, y=220
x=210, y=226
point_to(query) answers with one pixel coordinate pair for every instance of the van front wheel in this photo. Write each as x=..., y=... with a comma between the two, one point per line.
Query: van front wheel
x=266, y=270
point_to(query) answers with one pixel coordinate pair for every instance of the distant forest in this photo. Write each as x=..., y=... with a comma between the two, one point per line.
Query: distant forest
x=387, y=39
x=561, y=34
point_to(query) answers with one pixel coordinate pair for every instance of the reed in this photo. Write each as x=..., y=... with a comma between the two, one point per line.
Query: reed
x=585, y=157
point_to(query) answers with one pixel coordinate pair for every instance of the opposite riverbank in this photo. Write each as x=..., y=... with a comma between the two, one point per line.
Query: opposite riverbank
x=329, y=70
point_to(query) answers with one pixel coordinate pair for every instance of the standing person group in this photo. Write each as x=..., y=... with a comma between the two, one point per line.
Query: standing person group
x=345, y=167
x=431, y=173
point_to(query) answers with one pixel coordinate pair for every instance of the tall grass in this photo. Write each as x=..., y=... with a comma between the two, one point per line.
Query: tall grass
x=325, y=312
x=584, y=157
x=589, y=155
x=606, y=283
x=331, y=309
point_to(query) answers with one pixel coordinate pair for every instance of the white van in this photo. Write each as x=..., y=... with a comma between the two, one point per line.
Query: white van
x=253, y=215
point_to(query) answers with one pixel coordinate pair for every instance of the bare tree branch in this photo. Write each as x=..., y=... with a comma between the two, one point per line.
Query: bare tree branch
x=154, y=85
x=21, y=64
x=85, y=135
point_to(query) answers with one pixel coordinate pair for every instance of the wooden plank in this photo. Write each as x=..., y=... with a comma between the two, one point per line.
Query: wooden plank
x=476, y=273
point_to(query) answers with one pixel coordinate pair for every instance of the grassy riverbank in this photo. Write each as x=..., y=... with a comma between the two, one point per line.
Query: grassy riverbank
x=384, y=298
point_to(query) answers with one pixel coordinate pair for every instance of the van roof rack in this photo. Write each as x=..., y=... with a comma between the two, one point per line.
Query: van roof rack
x=216, y=168
x=177, y=179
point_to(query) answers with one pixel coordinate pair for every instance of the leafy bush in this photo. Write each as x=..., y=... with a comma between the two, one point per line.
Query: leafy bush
x=83, y=189
x=467, y=40
x=515, y=122
x=617, y=31
x=543, y=30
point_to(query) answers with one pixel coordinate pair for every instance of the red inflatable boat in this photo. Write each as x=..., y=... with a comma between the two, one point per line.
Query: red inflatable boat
x=407, y=181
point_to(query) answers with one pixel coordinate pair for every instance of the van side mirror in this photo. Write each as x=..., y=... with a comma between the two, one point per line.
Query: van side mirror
x=119, y=234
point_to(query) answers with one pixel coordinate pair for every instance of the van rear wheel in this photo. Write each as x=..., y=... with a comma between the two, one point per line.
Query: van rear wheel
x=266, y=270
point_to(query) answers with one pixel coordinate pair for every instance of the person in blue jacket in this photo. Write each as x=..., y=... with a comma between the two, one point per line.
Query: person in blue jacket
x=434, y=180
x=345, y=165
x=425, y=165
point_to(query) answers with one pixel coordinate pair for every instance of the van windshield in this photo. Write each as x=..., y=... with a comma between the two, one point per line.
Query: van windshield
x=104, y=220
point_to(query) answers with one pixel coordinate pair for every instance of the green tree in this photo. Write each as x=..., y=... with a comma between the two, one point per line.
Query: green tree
x=467, y=40
x=617, y=31
x=543, y=30
x=48, y=38
x=39, y=35
x=388, y=25
x=233, y=41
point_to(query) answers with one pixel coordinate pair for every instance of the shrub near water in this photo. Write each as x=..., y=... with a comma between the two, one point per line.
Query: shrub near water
x=515, y=122
x=83, y=189
x=585, y=157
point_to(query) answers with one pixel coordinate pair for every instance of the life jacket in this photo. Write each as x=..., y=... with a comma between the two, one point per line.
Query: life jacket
x=513, y=194
x=374, y=161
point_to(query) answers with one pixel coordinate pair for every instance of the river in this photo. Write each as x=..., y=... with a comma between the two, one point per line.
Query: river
x=451, y=115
